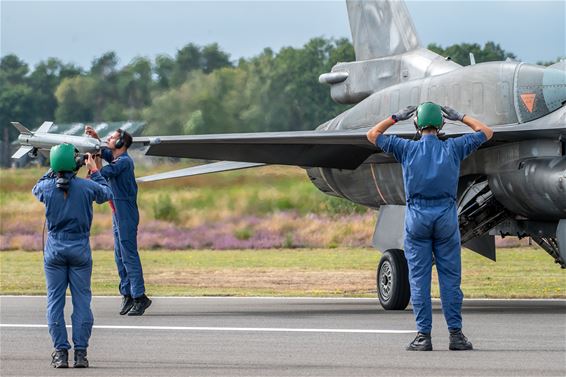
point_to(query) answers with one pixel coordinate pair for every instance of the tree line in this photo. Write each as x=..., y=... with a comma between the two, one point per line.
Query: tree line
x=199, y=90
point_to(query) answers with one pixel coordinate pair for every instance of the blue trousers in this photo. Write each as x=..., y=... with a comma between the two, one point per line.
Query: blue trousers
x=126, y=251
x=431, y=228
x=68, y=263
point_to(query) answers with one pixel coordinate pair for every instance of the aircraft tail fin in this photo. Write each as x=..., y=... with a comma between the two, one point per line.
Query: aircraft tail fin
x=21, y=128
x=381, y=28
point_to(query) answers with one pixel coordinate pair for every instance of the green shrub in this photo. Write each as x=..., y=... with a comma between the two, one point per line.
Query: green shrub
x=288, y=242
x=243, y=234
x=163, y=209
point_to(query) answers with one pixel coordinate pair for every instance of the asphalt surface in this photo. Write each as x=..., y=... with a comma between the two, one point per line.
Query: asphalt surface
x=289, y=337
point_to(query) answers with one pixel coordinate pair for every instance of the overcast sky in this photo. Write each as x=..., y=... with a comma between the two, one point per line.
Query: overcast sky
x=78, y=31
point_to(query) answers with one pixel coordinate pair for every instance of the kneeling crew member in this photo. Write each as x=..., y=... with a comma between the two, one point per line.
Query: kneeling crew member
x=431, y=170
x=125, y=220
x=67, y=255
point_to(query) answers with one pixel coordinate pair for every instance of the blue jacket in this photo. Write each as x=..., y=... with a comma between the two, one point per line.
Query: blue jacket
x=71, y=214
x=120, y=174
x=431, y=167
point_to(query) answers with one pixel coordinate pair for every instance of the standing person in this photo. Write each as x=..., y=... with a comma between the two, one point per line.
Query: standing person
x=431, y=170
x=125, y=219
x=67, y=255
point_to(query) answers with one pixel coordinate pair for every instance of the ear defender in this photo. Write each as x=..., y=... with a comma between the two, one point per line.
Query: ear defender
x=120, y=142
x=80, y=160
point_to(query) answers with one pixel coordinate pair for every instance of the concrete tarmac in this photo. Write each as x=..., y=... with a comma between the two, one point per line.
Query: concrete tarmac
x=289, y=337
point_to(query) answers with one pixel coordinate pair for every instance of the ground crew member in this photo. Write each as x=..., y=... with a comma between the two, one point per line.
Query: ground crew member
x=125, y=219
x=67, y=255
x=431, y=169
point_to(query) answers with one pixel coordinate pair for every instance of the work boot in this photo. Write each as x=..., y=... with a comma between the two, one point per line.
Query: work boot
x=458, y=342
x=80, y=359
x=127, y=303
x=422, y=342
x=60, y=359
x=140, y=305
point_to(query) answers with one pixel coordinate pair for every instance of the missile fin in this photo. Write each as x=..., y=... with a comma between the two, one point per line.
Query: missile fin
x=22, y=152
x=44, y=128
x=21, y=128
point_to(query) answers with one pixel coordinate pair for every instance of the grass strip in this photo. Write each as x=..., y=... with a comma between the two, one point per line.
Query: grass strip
x=519, y=273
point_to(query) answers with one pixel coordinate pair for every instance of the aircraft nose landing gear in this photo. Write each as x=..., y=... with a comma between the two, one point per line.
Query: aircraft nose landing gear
x=393, y=280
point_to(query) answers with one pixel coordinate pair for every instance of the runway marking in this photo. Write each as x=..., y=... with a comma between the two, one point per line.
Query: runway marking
x=248, y=329
x=303, y=298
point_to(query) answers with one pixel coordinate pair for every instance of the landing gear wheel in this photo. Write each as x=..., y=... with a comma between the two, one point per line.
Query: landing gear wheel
x=393, y=287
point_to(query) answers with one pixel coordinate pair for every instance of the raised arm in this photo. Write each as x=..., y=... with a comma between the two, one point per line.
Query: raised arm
x=473, y=123
x=379, y=129
x=102, y=191
x=382, y=126
x=477, y=125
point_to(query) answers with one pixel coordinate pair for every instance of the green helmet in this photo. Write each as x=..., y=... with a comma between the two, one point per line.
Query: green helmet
x=62, y=158
x=429, y=114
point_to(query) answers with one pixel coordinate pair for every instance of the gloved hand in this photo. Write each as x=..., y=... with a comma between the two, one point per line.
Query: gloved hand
x=404, y=114
x=451, y=114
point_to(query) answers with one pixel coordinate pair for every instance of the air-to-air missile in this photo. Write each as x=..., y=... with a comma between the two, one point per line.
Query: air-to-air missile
x=41, y=141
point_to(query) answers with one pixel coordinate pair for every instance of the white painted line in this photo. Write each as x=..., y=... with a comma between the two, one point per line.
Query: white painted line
x=300, y=298
x=248, y=329
x=216, y=297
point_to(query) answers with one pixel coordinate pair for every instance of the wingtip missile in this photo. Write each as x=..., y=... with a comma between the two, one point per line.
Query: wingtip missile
x=214, y=167
x=41, y=140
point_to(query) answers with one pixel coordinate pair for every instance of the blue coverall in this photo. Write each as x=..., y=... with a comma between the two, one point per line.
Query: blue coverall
x=125, y=220
x=67, y=255
x=431, y=169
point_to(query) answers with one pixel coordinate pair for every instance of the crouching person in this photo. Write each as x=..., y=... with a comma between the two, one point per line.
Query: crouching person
x=67, y=255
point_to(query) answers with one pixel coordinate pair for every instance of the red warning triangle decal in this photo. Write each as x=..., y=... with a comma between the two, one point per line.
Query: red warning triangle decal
x=529, y=101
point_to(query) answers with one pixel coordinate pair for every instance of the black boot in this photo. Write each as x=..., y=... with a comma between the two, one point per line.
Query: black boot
x=140, y=305
x=422, y=342
x=127, y=304
x=60, y=359
x=80, y=359
x=458, y=342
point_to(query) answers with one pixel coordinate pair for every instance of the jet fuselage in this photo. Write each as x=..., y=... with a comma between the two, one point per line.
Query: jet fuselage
x=527, y=176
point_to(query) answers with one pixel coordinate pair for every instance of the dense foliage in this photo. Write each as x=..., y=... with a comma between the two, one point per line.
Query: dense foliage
x=200, y=90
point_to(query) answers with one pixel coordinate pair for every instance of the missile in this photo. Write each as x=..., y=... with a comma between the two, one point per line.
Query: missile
x=42, y=141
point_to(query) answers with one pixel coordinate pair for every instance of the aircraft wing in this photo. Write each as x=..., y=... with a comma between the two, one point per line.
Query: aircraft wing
x=341, y=150
x=327, y=149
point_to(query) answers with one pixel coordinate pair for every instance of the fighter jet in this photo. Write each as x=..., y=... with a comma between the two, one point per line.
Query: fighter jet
x=514, y=185
x=41, y=140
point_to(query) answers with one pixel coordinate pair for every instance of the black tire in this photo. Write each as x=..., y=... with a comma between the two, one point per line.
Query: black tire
x=393, y=287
